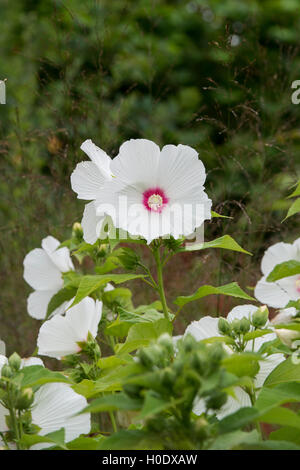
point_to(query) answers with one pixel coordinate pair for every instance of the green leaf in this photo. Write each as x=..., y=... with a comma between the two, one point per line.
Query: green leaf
x=296, y=191
x=89, y=284
x=85, y=443
x=125, y=320
x=39, y=375
x=66, y=293
x=233, y=440
x=270, y=445
x=286, y=433
x=256, y=334
x=232, y=289
x=269, y=398
x=153, y=405
x=285, y=269
x=238, y=420
x=118, y=401
x=215, y=214
x=133, y=439
x=242, y=364
x=286, y=371
x=111, y=381
x=281, y=416
x=226, y=242
x=141, y=335
x=295, y=207
x=56, y=438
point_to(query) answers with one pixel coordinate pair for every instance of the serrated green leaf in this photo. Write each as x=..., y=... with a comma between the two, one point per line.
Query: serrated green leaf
x=285, y=269
x=232, y=289
x=226, y=242
x=286, y=371
x=90, y=283
x=39, y=375
x=118, y=401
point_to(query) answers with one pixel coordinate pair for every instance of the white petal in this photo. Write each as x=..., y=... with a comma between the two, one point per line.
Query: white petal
x=98, y=157
x=40, y=272
x=277, y=254
x=37, y=303
x=180, y=172
x=87, y=180
x=91, y=223
x=109, y=287
x=3, y=427
x=85, y=317
x=59, y=336
x=241, y=400
x=3, y=360
x=2, y=347
x=62, y=259
x=270, y=293
x=31, y=361
x=55, y=406
x=241, y=311
x=233, y=404
x=288, y=285
x=137, y=162
x=284, y=316
x=50, y=244
x=266, y=367
x=205, y=328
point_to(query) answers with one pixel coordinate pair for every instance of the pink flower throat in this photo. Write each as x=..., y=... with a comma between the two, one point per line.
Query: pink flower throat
x=154, y=199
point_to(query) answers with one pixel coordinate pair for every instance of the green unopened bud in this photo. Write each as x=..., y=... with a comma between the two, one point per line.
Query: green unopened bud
x=236, y=326
x=129, y=259
x=25, y=400
x=224, y=326
x=146, y=358
x=166, y=342
x=245, y=325
x=77, y=231
x=168, y=377
x=260, y=317
x=15, y=361
x=216, y=401
x=216, y=352
x=6, y=371
x=189, y=343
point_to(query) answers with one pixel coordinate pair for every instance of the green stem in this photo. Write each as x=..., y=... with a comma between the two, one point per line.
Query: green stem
x=160, y=281
x=113, y=421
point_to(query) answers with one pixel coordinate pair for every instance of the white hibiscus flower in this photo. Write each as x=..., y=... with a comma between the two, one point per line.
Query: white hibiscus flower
x=59, y=336
x=56, y=406
x=43, y=268
x=278, y=294
x=87, y=181
x=207, y=327
x=155, y=193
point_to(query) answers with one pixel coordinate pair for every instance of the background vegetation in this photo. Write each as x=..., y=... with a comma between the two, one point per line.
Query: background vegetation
x=213, y=74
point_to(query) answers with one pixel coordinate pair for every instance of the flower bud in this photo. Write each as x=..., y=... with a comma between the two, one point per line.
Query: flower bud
x=286, y=336
x=77, y=231
x=236, y=326
x=6, y=371
x=260, y=317
x=245, y=325
x=25, y=399
x=216, y=401
x=224, y=326
x=15, y=361
x=166, y=342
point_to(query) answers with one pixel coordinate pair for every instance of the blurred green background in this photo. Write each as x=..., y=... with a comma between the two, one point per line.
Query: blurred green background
x=212, y=74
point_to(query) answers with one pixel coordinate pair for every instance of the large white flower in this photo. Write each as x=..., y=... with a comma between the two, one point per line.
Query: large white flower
x=43, y=268
x=155, y=193
x=56, y=406
x=278, y=294
x=207, y=327
x=87, y=180
x=59, y=336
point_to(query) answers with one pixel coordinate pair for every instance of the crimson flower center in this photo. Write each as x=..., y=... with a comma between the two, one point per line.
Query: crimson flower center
x=154, y=199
